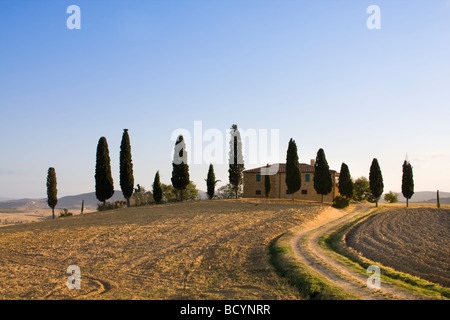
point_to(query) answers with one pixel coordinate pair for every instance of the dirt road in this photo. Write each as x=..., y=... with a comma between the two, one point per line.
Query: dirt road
x=307, y=249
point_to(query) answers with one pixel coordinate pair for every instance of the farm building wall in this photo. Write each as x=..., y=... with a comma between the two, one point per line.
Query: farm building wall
x=254, y=187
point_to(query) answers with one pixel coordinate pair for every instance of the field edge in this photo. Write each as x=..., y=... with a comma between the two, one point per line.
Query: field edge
x=334, y=243
x=310, y=284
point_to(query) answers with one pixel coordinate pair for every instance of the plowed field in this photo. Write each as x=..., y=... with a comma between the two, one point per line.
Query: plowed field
x=200, y=250
x=414, y=240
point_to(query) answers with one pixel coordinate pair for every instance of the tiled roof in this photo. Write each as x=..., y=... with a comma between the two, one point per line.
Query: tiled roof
x=304, y=168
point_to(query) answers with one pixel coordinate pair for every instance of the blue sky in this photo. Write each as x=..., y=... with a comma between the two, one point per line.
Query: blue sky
x=311, y=69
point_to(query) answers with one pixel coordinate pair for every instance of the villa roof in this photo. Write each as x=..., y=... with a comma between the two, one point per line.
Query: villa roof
x=304, y=168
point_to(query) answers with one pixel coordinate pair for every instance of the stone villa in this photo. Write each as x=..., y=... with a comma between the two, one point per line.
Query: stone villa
x=254, y=184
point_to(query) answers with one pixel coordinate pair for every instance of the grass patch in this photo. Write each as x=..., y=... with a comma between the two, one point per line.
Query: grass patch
x=310, y=284
x=334, y=242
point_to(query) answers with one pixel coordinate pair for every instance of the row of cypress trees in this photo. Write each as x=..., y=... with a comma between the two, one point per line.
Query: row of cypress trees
x=104, y=187
x=104, y=184
x=323, y=183
x=376, y=181
x=235, y=165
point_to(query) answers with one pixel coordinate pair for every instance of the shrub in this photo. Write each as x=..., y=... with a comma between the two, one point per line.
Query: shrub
x=227, y=192
x=361, y=189
x=142, y=197
x=65, y=213
x=110, y=206
x=341, y=202
x=391, y=197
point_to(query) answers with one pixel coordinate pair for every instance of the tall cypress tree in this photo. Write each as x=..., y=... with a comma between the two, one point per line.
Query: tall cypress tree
x=104, y=185
x=323, y=183
x=52, y=192
x=211, y=182
x=438, y=202
x=180, y=168
x=345, y=182
x=407, y=182
x=293, y=174
x=236, y=159
x=267, y=186
x=376, y=180
x=126, y=167
x=157, y=189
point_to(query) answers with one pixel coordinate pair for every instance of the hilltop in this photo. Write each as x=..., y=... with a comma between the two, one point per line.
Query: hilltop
x=28, y=209
x=196, y=250
x=70, y=202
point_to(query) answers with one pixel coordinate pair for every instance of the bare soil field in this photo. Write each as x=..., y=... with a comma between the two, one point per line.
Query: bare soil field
x=414, y=240
x=346, y=283
x=200, y=250
x=25, y=215
x=15, y=216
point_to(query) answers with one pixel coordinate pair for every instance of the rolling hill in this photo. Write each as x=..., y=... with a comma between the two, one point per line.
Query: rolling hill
x=425, y=197
x=69, y=202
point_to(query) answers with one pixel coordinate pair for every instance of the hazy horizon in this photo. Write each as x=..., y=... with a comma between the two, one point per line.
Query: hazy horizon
x=442, y=192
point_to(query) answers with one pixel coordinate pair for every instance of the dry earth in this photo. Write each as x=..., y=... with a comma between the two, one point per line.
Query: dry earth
x=414, y=240
x=307, y=249
x=14, y=216
x=201, y=250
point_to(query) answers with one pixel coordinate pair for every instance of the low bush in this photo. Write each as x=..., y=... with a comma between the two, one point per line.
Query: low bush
x=65, y=213
x=110, y=206
x=341, y=202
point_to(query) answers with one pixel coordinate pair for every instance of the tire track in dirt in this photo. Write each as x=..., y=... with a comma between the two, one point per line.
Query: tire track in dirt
x=306, y=246
x=214, y=238
x=146, y=255
x=101, y=286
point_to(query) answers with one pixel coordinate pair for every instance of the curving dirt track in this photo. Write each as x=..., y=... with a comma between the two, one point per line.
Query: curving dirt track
x=307, y=249
x=414, y=240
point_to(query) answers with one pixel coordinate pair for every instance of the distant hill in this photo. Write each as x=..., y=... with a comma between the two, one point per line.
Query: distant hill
x=74, y=202
x=90, y=201
x=69, y=202
x=4, y=199
x=424, y=197
x=441, y=200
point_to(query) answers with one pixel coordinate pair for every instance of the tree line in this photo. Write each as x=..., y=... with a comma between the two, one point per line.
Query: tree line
x=182, y=187
x=371, y=189
x=360, y=189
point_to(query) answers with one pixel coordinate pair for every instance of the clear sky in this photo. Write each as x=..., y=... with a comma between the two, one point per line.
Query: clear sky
x=310, y=69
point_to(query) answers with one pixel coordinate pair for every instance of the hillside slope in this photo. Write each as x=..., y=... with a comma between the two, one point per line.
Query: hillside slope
x=200, y=250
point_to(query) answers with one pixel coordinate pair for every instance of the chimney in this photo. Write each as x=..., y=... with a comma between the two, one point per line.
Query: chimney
x=313, y=162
